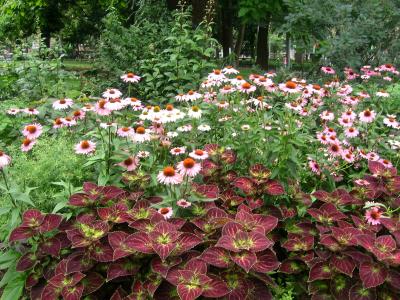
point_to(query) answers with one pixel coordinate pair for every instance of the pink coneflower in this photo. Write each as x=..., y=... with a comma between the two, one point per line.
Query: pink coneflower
x=166, y=212
x=180, y=97
x=32, y=131
x=189, y=167
x=58, y=123
x=130, y=77
x=79, y=114
x=230, y=70
x=195, y=112
x=193, y=96
x=290, y=87
x=178, y=150
x=85, y=147
x=348, y=155
x=62, y=104
x=372, y=156
x=367, y=116
x=112, y=94
x=136, y=104
x=328, y=70
x=27, y=145
x=349, y=114
x=391, y=121
x=88, y=107
x=222, y=104
x=373, y=216
x=216, y=75
x=183, y=203
x=364, y=94
x=101, y=108
x=327, y=115
x=382, y=94
x=361, y=182
x=345, y=122
x=185, y=128
x=335, y=150
x=323, y=138
x=238, y=81
x=169, y=176
x=351, y=132
x=314, y=166
x=141, y=135
x=5, y=160
x=227, y=89
x=386, y=163
x=108, y=125
x=247, y=88
x=125, y=131
x=13, y=111
x=31, y=111
x=68, y=121
x=114, y=104
x=198, y=154
x=130, y=164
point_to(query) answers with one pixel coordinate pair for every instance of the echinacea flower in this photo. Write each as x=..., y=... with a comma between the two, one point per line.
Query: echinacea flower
x=58, y=123
x=27, y=145
x=130, y=78
x=189, y=167
x=229, y=70
x=327, y=115
x=63, y=103
x=373, y=216
x=246, y=88
x=386, y=163
x=328, y=70
x=108, y=125
x=193, y=96
x=130, y=164
x=13, y=111
x=391, y=121
x=367, y=116
x=125, y=131
x=169, y=176
x=335, y=149
x=79, y=114
x=351, y=132
x=183, y=203
x=32, y=131
x=5, y=160
x=88, y=107
x=85, y=147
x=204, y=127
x=68, y=121
x=382, y=94
x=290, y=87
x=112, y=94
x=199, y=154
x=31, y=111
x=114, y=104
x=195, y=112
x=166, y=212
x=314, y=166
x=178, y=150
x=101, y=108
x=141, y=135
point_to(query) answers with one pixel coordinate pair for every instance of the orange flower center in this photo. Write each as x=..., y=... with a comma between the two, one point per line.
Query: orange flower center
x=102, y=103
x=189, y=163
x=140, y=130
x=291, y=85
x=77, y=113
x=68, y=119
x=190, y=92
x=227, y=87
x=195, y=108
x=58, y=121
x=125, y=129
x=239, y=77
x=367, y=113
x=85, y=144
x=164, y=211
x=26, y=142
x=199, y=152
x=169, y=171
x=217, y=72
x=316, y=87
x=169, y=107
x=62, y=101
x=31, y=128
x=128, y=161
x=130, y=75
x=133, y=99
x=246, y=85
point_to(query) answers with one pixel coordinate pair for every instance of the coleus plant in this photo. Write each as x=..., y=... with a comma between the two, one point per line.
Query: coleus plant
x=345, y=254
x=117, y=246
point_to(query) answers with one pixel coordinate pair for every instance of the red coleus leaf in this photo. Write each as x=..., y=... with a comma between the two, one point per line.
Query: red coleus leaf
x=244, y=259
x=62, y=280
x=51, y=246
x=186, y=242
x=379, y=169
x=393, y=279
x=259, y=172
x=372, y=274
x=162, y=267
x=346, y=236
x=274, y=188
x=72, y=292
x=320, y=270
x=232, y=228
x=117, y=213
x=367, y=241
x=330, y=242
x=327, y=213
x=50, y=222
x=163, y=250
x=140, y=242
x=50, y=292
x=32, y=218
x=385, y=243
x=228, y=156
x=299, y=243
x=208, y=167
x=139, y=292
x=102, y=252
x=21, y=233
x=343, y=264
x=208, y=191
x=119, y=294
x=26, y=262
x=216, y=288
x=291, y=266
x=117, y=243
x=92, y=282
x=266, y=262
x=80, y=200
x=120, y=268
x=358, y=256
x=358, y=292
x=253, y=241
x=188, y=292
x=217, y=257
x=245, y=184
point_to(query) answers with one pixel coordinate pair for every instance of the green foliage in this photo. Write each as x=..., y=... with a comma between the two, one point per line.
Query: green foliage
x=169, y=54
x=52, y=160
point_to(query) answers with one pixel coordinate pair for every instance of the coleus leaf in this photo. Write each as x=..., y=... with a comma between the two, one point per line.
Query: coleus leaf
x=120, y=268
x=290, y=266
x=358, y=292
x=92, y=282
x=162, y=267
x=208, y=191
x=245, y=184
x=343, y=264
x=32, y=218
x=139, y=292
x=372, y=274
x=50, y=222
x=244, y=259
x=72, y=292
x=51, y=246
x=62, y=280
x=217, y=257
x=299, y=243
x=118, y=244
x=188, y=292
x=102, y=252
x=140, y=242
x=26, y=262
x=80, y=200
x=186, y=242
x=216, y=288
x=266, y=262
x=274, y=188
x=21, y=233
x=196, y=265
x=320, y=270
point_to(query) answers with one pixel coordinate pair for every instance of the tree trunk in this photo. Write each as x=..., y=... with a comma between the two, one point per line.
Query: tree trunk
x=172, y=4
x=262, y=51
x=198, y=12
x=227, y=28
x=239, y=42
